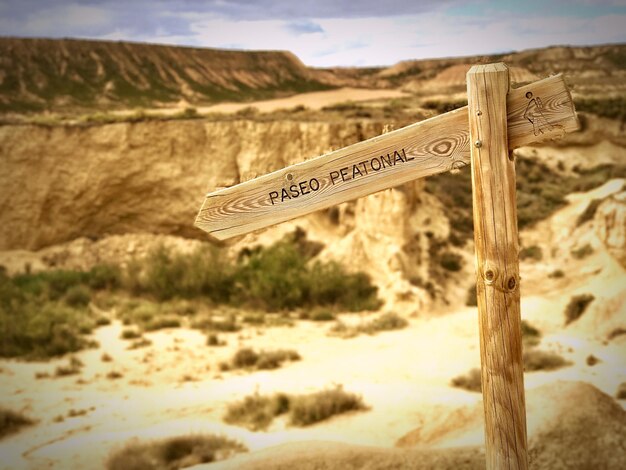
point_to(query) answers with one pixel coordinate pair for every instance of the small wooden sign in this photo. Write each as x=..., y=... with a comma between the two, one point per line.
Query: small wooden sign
x=536, y=112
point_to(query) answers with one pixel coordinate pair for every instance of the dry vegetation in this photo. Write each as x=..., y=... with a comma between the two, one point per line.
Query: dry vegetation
x=248, y=358
x=386, y=322
x=174, y=452
x=12, y=421
x=577, y=306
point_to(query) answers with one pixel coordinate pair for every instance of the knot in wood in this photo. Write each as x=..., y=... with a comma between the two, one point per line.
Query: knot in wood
x=490, y=274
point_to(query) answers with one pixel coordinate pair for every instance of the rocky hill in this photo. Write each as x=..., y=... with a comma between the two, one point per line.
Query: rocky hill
x=64, y=75
x=38, y=74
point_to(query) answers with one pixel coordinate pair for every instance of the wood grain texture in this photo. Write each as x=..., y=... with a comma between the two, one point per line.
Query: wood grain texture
x=497, y=268
x=429, y=147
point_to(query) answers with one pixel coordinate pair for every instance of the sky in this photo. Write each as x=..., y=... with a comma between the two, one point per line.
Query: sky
x=325, y=33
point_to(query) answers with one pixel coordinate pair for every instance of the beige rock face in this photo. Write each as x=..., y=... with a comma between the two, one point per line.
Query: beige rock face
x=61, y=183
x=610, y=225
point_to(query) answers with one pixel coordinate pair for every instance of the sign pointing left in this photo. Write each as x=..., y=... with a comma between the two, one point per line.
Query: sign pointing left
x=422, y=149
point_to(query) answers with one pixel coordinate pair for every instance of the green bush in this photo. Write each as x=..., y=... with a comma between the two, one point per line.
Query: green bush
x=40, y=331
x=577, y=306
x=78, y=296
x=12, y=421
x=174, y=452
x=167, y=275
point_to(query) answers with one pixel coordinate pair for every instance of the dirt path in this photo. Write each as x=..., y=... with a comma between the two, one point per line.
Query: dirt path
x=314, y=100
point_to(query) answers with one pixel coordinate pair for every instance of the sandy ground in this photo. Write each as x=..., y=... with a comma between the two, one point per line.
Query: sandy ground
x=315, y=100
x=174, y=387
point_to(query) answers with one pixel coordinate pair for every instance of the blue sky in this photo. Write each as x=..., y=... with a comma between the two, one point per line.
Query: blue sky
x=328, y=32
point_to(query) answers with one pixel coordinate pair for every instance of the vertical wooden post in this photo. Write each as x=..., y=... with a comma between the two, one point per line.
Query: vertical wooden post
x=497, y=268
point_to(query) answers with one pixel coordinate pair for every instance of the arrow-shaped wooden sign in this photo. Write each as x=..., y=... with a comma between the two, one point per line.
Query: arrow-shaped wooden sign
x=535, y=112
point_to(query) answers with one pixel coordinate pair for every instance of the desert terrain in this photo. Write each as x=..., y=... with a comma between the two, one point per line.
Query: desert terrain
x=344, y=339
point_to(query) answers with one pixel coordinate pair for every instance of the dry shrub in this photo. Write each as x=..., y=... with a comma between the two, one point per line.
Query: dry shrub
x=72, y=368
x=247, y=358
x=305, y=410
x=11, y=421
x=470, y=381
x=535, y=360
x=256, y=412
x=531, y=336
x=174, y=452
x=386, y=322
x=577, y=306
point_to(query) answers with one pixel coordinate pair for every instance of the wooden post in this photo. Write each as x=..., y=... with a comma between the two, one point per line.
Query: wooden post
x=497, y=268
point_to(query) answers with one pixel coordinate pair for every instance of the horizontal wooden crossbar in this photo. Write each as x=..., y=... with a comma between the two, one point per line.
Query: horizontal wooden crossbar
x=426, y=148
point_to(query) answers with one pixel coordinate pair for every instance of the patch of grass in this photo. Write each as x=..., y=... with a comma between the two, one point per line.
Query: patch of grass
x=577, y=306
x=256, y=412
x=582, y=252
x=305, y=410
x=12, y=421
x=535, y=359
x=532, y=252
x=174, y=452
x=247, y=358
x=470, y=381
x=591, y=360
x=114, y=375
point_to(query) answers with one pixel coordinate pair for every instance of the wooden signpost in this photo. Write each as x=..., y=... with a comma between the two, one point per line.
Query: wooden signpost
x=496, y=120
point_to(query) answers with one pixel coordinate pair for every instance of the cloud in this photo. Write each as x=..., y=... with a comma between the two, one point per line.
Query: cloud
x=304, y=27
x=328, y=33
